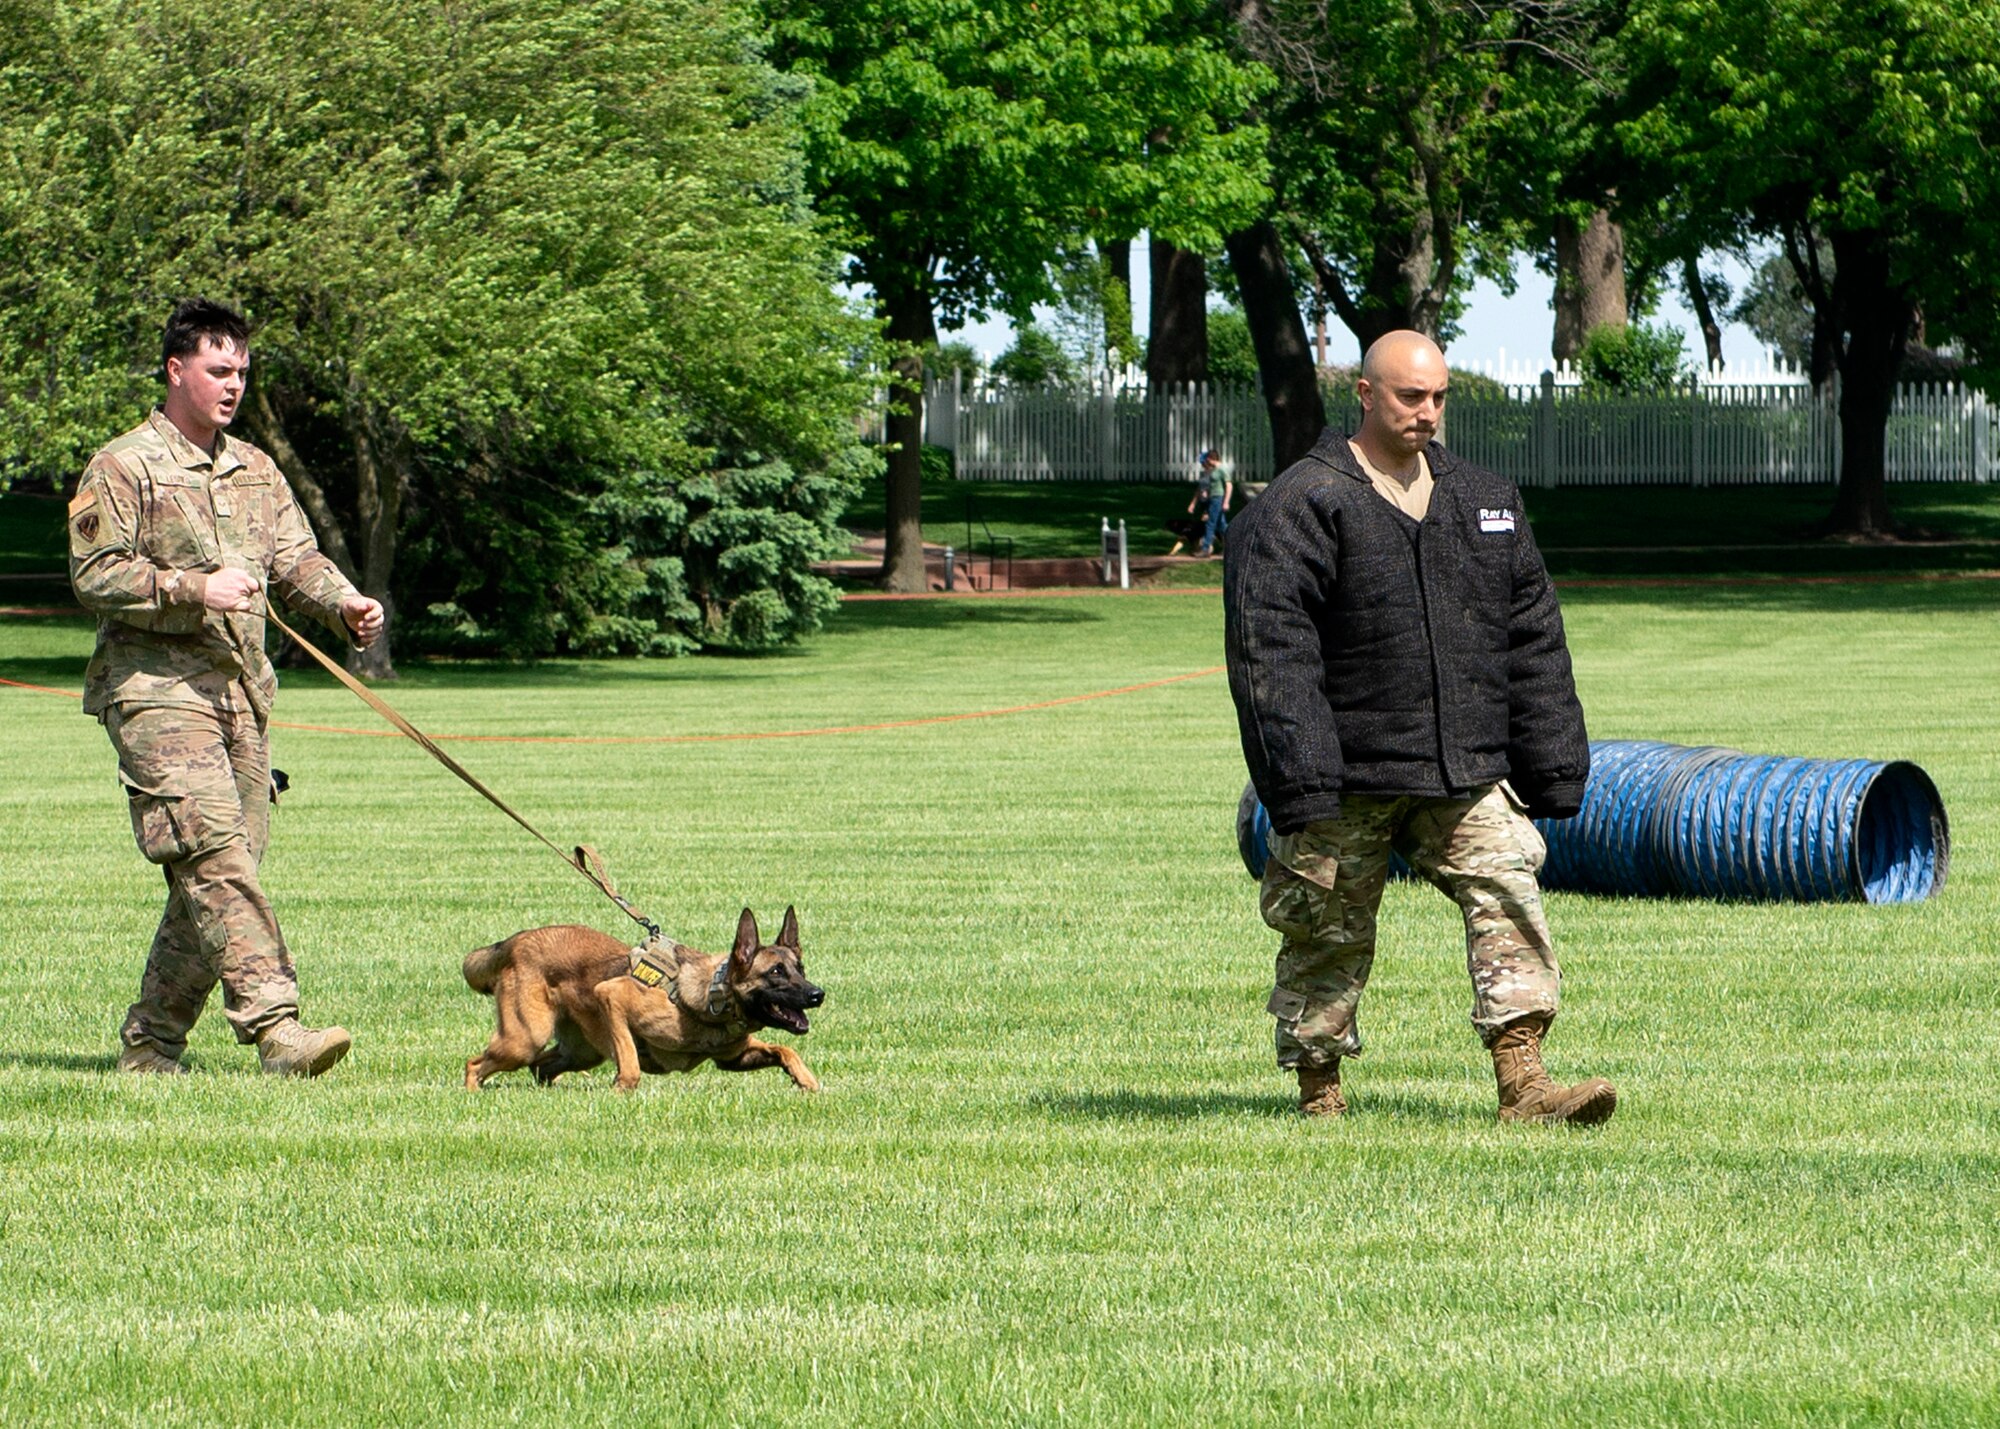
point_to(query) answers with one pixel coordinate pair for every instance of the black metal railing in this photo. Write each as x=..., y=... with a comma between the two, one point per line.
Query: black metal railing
x=994, y=545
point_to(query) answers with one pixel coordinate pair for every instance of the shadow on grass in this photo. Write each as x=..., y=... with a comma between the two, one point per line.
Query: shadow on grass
x=1157, y=1106
x=951, y=614
x=1281, y=1104
x=61, y=1061
x=1639, y=516
x=1415, y=1106
x=53, y=674
x=1859, y=596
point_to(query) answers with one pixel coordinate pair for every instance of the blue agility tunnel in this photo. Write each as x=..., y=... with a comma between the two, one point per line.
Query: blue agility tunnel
x=1706, y=822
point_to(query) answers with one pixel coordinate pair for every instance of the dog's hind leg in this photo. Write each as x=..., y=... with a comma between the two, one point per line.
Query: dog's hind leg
x=756, y=1055
x=526, y=1019
x=572, y=1053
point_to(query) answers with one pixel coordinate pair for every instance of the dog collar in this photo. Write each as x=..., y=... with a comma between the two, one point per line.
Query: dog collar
x=718, y=999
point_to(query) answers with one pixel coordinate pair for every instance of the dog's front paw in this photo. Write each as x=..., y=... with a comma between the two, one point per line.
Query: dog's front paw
x=805, y=1081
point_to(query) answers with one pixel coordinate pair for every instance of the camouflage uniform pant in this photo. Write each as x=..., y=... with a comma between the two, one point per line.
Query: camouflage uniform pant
x=1323, y=884
x=199, y=786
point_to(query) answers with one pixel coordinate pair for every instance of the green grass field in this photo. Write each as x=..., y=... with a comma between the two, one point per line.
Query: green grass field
x=1053, y=1175
x=1586, y=531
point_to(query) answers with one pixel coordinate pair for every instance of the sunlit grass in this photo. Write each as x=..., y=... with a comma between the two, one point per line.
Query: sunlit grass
x=1054, y=1173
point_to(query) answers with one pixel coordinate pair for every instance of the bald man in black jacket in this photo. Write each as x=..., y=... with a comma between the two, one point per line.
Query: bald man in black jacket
x=1401, y=681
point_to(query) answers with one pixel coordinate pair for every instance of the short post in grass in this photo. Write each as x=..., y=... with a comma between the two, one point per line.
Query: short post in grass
x=1111, y=544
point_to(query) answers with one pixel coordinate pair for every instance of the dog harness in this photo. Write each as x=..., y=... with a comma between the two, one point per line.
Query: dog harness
x=658, y=964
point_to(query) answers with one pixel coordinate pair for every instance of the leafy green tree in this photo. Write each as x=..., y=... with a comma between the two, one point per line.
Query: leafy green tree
x=1381, y=145
x=1868, y=126
x=1775, y=308
x=1081, y=321
x=955, y=356
x=1231, y=356
x=1634, y=357
x=967, y=146
x=535, y=290
x=1034, y=359
x=1408, y=139
x=1121, y=347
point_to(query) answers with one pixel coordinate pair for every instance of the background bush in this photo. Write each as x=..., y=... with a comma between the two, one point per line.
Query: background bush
x=1640, y=357
x=545, y=331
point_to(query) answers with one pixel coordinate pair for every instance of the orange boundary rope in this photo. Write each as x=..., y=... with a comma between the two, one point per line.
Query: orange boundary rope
x=718, y=738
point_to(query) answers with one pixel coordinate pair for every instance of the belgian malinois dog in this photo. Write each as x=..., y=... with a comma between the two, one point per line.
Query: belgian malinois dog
x=659, y=1008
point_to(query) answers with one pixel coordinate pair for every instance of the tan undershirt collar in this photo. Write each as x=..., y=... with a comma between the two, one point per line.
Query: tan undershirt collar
x=1413, y=498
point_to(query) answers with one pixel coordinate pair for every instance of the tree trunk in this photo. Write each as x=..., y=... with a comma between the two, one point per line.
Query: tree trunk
x=270, y=432
x=378, y=480
x=1284, y=361
x=1802, y=251
x=1411, y=268
x=1118, y=308
x=1711, y=331
x=912, y=329
x=1118, y=254
x=1590, y=280
x=1877, y=316
x=1824, y=359
x=1177, y=342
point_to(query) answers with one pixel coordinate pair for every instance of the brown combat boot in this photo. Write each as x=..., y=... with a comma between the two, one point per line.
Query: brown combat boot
x=1527, y=1093
x=287, y=1049
x=1319, y=1090
x=149, y=1060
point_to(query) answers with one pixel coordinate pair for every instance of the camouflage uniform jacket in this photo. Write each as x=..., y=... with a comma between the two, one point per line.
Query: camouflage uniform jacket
x=152, y=516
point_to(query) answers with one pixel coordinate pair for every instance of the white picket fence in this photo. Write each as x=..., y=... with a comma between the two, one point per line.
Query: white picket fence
x=1111, y=430
x=1767, y=369
x=1546, y=433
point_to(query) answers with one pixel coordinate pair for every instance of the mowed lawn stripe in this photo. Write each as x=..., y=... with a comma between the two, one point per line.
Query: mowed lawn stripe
x=1053, y=1174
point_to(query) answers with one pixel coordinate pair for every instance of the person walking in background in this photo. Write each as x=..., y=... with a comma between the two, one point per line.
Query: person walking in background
x=176, y=534
x=1401, y=680
x=1212, y=490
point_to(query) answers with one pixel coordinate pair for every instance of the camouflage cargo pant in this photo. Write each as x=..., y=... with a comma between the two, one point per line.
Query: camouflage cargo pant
x=199, y=786
x=1323, y=884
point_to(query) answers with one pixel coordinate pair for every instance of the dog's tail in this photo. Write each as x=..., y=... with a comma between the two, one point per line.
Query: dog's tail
x=483, y=965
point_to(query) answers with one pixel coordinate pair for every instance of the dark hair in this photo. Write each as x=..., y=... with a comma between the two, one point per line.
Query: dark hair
x=198, y=318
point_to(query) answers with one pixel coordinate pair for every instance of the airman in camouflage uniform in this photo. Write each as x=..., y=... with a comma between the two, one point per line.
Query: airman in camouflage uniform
x=173, y=542
x=1403, y=683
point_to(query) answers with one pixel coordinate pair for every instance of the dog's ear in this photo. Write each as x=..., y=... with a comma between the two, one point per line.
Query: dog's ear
x=788, y=936
x=746, y=939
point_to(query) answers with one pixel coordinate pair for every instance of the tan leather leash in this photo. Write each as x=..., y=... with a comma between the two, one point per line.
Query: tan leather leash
x=585, y=860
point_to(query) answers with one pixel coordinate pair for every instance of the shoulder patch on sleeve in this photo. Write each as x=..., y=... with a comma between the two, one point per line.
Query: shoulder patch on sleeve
x=91, y=516
x=84, y=530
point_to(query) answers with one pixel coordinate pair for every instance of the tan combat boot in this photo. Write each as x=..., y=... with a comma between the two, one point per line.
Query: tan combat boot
x=287, y=1049
x=149, y=1060
x=1527, y=1093
x=1319, y=1090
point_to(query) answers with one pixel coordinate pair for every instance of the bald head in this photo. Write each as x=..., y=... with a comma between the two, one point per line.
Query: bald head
x=1395, y=356
x=1402, y=391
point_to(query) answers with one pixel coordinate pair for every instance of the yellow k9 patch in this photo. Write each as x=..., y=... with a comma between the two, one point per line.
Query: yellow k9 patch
x=648, y=973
